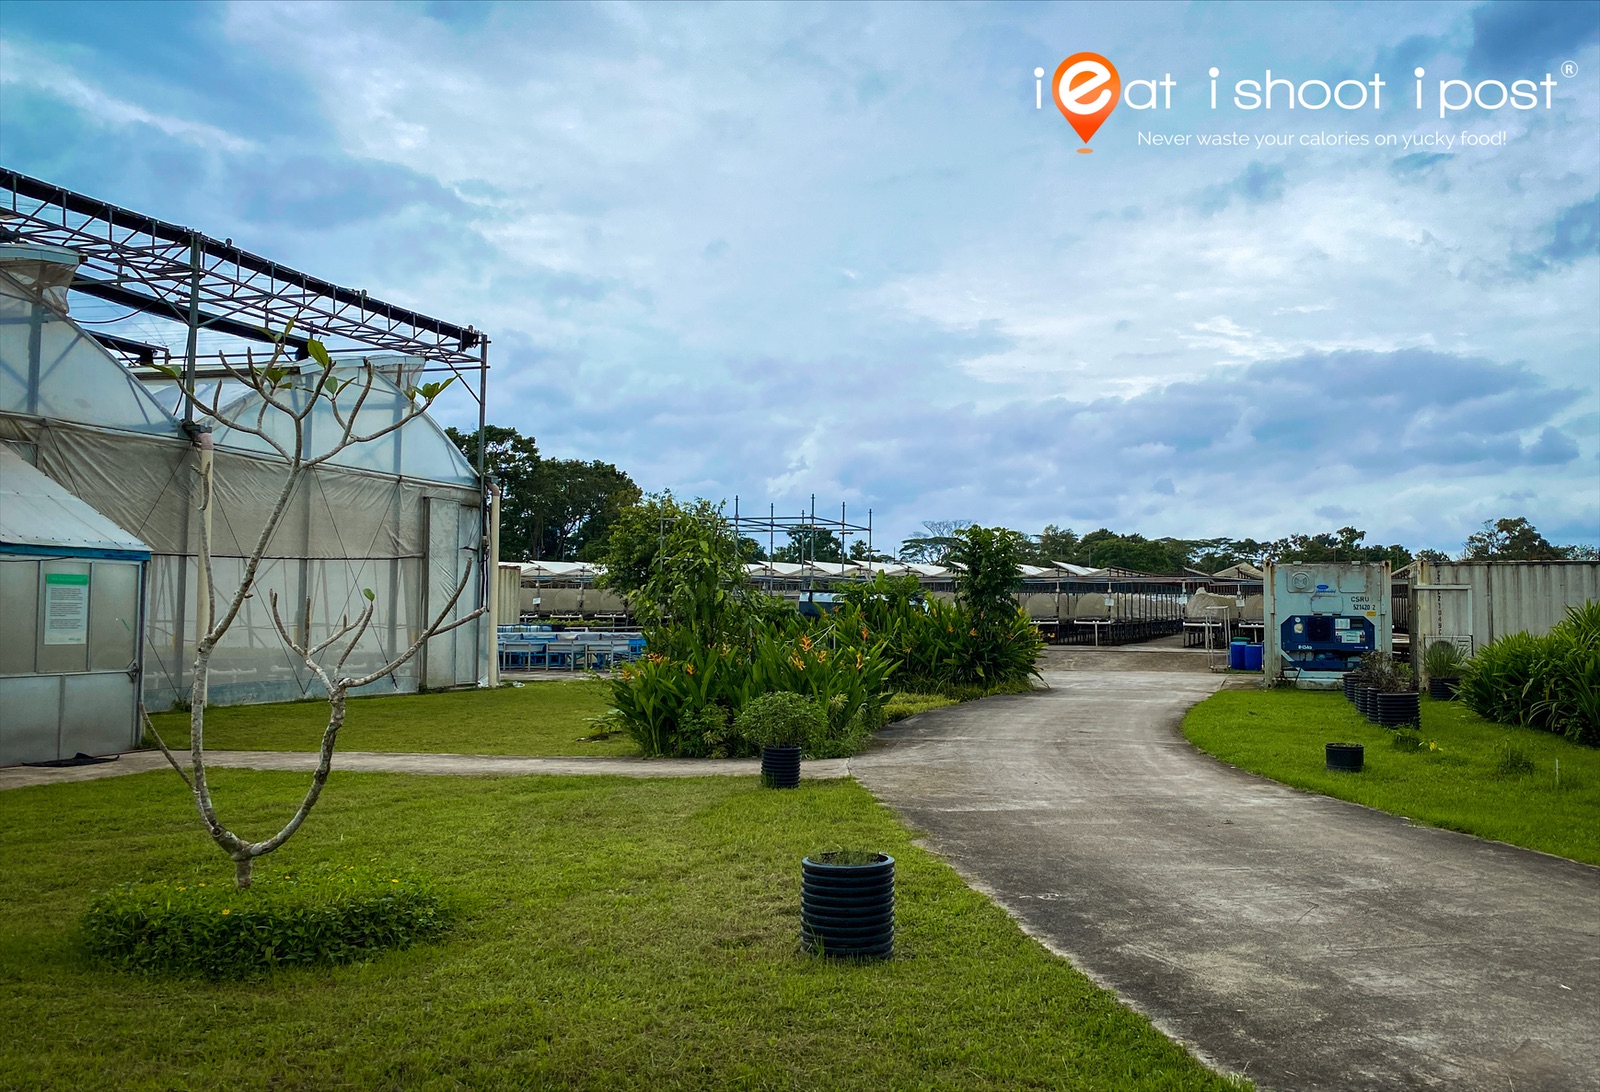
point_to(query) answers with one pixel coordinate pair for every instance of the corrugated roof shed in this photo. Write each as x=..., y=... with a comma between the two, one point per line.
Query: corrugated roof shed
x=37, y=514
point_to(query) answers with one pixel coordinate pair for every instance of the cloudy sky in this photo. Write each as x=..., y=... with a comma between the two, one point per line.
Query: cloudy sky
x=791, y=249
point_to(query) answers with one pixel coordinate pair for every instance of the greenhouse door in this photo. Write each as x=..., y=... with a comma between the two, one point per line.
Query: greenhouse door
x=454, y=536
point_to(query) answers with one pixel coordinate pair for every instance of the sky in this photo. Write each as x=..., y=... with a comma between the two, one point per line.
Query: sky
x=857, y=251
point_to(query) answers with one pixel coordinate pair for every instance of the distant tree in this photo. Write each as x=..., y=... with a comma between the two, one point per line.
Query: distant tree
x=933, y=544
x=575, y=505
x=1212, y=555
x=860, y=552
x=550, y=509
x=1582, y=552
x=1344, y=545
x=1509, y=540
x=631, y=549
x=810, y=544
x=1105, y=549
x=513, y=460
x=1054, y=544
x=1432, y=557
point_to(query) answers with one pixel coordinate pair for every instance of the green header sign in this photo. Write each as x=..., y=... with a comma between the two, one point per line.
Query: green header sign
x=66, y=608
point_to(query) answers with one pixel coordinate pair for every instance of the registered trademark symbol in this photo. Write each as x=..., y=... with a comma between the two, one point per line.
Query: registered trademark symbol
x=1569, y=69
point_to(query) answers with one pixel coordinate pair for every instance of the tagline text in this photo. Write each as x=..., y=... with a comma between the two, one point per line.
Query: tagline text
x=1435, y=141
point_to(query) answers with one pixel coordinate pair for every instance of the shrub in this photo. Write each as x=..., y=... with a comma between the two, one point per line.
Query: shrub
x=781, y=719
x=213, y=929
x=1373, y=670
x=938, y=647
x=1443, y=660
x=1550, y=682
x=716, y=643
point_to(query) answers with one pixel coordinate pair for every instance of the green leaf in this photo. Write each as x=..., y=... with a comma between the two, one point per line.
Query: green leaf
x=319, y=353
x=368, y=593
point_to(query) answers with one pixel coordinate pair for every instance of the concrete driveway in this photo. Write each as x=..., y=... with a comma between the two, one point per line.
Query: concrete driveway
x=1304, y=942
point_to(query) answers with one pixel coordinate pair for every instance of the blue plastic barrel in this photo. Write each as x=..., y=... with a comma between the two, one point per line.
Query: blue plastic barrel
x=1236, y=653
x=1252, y=657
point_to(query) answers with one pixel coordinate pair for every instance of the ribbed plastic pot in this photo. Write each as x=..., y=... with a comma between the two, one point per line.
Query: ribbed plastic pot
x=1344, y=757
x=1350, y=689
x=780, y=767
x=1367, y=703
x=1443, y=689
x=1397, y=709
x=847, y=910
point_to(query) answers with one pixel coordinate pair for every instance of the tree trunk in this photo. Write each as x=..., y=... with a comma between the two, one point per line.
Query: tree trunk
x=241, y=870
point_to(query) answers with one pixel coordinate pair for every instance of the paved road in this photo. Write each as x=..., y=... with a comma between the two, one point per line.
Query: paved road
x=1302, y=941
x=14, y=777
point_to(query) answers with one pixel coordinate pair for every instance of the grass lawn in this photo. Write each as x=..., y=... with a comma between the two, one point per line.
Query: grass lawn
x=1463, y=785
x=538, y=718
x=620, y=934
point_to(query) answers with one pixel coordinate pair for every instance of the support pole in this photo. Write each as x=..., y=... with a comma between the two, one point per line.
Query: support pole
x=494, y=585
x=192, y=349
x=489, y=520
x=208, y=496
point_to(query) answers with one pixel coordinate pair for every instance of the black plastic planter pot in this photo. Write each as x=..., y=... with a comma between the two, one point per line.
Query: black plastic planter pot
x=780, y=767
x=847, y=910
x=1442, y=689
x=1344, y=757
x=1395, y=710
x=1350, y=684
x=1367, y=703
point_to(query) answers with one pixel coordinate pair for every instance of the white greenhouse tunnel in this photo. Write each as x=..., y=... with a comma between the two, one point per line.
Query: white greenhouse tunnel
x=400, y=516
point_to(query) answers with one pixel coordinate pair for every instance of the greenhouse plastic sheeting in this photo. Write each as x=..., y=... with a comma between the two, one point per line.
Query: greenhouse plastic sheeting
x=402, y=523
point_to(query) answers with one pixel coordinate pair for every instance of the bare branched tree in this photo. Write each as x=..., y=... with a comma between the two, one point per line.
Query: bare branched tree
x=294, y=392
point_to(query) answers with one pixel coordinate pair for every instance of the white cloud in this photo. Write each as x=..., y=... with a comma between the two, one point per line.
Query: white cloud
x=781, y=249
x=24, y=67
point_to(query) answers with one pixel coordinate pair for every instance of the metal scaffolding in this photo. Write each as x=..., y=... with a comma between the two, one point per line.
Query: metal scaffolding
x=179, y=274
x=803, y=529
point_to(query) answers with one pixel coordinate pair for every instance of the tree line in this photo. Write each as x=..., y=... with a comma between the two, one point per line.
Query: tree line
x=567, y=510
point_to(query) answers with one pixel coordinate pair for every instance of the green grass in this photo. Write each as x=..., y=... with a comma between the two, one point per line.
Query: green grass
x=539, y=718
x=1465, y=784
x=619, y=934
x=903, y=705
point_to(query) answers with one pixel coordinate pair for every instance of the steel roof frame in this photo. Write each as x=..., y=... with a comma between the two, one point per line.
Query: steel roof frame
x=177, y=273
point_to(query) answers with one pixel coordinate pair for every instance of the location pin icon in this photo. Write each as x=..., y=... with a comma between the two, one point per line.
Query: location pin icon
x=1086, y=89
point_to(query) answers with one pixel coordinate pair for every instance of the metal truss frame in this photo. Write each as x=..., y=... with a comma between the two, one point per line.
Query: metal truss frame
x=177, y=273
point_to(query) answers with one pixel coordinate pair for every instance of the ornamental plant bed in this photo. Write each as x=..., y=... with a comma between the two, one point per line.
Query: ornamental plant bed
x=319, y=916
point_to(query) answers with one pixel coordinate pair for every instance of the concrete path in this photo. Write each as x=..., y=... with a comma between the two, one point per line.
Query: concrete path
x=1302, y=941
x=13, y=777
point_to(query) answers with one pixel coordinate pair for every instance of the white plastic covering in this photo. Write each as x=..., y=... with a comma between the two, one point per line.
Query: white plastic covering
x=36, y=511
x=69, y=376
x=419, y=449
x=45, y=271
x=399, y=518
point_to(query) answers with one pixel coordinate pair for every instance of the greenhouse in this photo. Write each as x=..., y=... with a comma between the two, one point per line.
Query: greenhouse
x=398, y=521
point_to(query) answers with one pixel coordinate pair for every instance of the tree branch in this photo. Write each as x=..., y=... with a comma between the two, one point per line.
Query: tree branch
x=150, y=727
